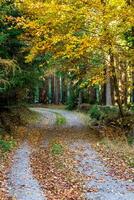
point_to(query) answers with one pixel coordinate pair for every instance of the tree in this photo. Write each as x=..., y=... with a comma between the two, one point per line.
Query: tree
x=16, y=77
x=73, y=33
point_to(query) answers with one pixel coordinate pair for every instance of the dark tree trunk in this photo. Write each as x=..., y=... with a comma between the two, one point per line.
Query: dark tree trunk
x=116, y=86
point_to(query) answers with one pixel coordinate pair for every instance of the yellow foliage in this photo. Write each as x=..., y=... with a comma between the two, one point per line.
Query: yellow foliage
x=76, y=29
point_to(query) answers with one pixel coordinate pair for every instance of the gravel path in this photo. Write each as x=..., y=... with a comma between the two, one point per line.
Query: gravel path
x=24, y=186
x=101, y=185
x=47, y=119
x=73, y=119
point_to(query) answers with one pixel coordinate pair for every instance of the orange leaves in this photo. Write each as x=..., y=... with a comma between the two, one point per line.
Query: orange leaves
x=93, y=190
x=4, y=165
x=56, y=175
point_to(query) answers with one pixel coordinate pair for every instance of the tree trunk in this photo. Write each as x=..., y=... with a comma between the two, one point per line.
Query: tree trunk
x=108, y=82
x=56, y=96
x=103, y=95
x=125, y=85
x=132, y=96
x=49, y=90
x=112, y=91
x=61, y=90
x=79, y=99
x=98, y=94
x=108, y=93
x=36, y=95
x=68, y=90
x=116, y=86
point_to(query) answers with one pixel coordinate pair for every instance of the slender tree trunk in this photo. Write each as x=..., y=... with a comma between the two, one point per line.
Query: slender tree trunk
x=112, y=91
x=56, y=99
x=108, y=82
x=103, y=95
x=130, y=3
x=108, y=93
x=80, y=99
x=98, y=94
x=49, y=90
x=61, y=90
x=132, y=95
x=68, y=90
x=126, y=85
x=36, y=95
x=116, y=86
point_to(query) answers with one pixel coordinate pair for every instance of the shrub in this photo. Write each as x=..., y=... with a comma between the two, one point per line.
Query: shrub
x=109, y=112
x=103, y=112
x=6, y=145
x=71, y=103
x=132, y=108
x=130, y=140
x=60, y=120
x=95, y=112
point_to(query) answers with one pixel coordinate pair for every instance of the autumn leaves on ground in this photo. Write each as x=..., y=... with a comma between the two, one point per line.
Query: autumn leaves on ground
x=54, y=165
x=53, y=159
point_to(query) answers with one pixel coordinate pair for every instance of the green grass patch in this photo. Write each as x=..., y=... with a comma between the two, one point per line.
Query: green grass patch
x=60, y=120
x=57, y=149
x=6, y=146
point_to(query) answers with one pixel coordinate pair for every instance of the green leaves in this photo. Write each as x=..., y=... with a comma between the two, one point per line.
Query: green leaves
x=3, y=38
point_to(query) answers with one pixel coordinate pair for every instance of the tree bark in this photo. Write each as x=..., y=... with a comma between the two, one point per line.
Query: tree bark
x=49, y=90
x=108, y=82
x=68, y=90
x=108, y=93
x=116, y=86
x=132, y=96
x=79, y=99
x=56, y=96
x=61, y=90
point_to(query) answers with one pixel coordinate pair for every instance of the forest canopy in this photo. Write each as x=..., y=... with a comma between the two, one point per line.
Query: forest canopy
x=89, y=42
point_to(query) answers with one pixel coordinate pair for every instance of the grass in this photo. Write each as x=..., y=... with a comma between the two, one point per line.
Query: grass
x=60, y=120
x=57, y=149
x=29, y=116
x=6, y=146
x=84, y=118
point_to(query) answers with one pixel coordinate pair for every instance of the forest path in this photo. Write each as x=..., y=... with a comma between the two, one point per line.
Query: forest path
x=73, y=119
x=23, y=185
x=99, y=184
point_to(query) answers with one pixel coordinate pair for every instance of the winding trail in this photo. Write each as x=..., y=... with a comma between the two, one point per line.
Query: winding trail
x=23, y=185
x=73, y=119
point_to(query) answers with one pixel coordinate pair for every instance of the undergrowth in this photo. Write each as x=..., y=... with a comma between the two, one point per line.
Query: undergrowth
x=11, y=119
x=116, y=133
x=60, y=120
x=103, y=112
x=57, y=149
x=6, y=146
x=116, y=141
